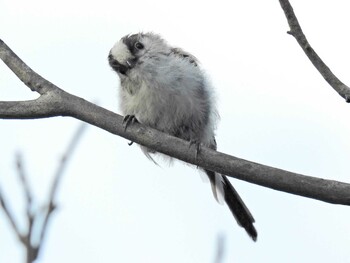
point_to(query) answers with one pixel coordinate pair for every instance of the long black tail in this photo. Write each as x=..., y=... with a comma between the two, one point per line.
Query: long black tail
x=239, y=210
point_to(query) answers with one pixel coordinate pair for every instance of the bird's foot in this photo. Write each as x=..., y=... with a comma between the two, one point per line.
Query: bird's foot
x=129, y=119
x=197, y=146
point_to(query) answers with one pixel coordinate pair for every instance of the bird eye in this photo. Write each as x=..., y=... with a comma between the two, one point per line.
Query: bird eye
x=139, y=45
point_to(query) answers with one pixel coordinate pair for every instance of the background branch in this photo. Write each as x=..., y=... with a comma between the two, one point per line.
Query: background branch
x=31, y=250
x=57, y=179
x=220, y=248
x=10, y=217
x=70, y=105
x=33, y=240
x=296, y=31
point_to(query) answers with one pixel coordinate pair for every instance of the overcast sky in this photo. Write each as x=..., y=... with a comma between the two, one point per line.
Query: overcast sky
x=117, y=206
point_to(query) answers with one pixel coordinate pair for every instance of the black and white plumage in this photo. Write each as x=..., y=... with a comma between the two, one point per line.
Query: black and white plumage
x=163, y=87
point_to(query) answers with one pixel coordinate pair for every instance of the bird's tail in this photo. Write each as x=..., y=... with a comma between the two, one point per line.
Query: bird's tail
x=221, y=186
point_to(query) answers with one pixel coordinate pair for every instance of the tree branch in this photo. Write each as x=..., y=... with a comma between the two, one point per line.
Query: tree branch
x=51, y=205
x=42, y=107
x=220, y=249
x=30, y=239
x=31, y=250
x=296, y=31
x=10, y=217
x=66, y=104
x=30, y=78
x=25, y=185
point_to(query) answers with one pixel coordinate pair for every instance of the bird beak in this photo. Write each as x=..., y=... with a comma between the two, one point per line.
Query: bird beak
x=116, y=66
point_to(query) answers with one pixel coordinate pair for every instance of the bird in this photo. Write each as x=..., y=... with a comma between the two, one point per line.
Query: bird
x=165, y=88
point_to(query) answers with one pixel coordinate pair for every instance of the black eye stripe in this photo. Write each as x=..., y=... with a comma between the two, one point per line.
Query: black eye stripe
x=133, y=42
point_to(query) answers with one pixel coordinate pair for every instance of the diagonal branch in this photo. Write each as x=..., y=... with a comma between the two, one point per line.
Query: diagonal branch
x=57, y=179
x=297, y=32
x=11, y=218
x=70, y=105
x=30, y=78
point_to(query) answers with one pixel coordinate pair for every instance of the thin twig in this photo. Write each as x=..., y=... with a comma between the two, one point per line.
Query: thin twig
x=10, y=217
x=57, y=179
x=220, y=248
x=296, y=31
x=28, y=197
x=24, y=182
x=30, y=216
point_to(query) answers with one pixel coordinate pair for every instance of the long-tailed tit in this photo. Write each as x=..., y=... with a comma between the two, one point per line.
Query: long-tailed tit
x=164, y=87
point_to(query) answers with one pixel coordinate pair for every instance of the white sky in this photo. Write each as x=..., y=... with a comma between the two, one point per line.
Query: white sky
x=115, y=205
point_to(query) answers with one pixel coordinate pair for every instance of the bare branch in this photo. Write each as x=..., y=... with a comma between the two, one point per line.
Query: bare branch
x=70, y=105
x=29, y=213
x=33, y=80
x=57, y=179
x=327, y=74
x=29, y=240
x=220, y=249
x=24, y=183
x=10, y=217
x=43, y=107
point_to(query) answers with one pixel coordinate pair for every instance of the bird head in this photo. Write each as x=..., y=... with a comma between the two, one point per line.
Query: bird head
x=132, y=50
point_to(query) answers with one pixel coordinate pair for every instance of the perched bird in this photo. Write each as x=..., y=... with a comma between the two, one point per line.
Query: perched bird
x=164, y=87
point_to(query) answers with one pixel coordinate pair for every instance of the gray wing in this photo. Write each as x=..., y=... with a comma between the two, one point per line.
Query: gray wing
x=184, y=54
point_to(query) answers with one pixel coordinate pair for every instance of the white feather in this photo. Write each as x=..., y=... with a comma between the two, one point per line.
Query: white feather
x=219, y=188
x=121, y=52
